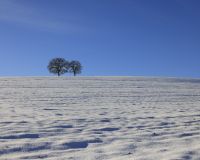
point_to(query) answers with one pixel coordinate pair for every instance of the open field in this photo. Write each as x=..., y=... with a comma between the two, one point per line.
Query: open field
x=99, y=118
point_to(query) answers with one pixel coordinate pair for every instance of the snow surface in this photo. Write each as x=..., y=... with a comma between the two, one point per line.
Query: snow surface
x=99, y=118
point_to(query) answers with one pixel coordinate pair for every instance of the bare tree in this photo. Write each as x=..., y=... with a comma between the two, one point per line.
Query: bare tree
x=58, y=66
x=75, y=67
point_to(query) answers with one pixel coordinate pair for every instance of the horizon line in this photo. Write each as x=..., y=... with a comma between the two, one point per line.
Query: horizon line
x=91, y=76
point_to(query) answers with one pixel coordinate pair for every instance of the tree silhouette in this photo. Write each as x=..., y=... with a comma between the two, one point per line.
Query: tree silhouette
x=75, y=67
x=58, y=66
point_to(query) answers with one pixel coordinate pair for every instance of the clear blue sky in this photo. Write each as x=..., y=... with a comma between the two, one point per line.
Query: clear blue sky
x=109, y=37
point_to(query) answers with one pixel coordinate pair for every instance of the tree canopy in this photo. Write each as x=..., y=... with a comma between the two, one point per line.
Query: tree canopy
x=75, y=67
x=60, y=66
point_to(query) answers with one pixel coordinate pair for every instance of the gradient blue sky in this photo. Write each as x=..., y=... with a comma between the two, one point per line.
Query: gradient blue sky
x=109, y=37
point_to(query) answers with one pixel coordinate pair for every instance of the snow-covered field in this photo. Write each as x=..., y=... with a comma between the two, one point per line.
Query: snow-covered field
x=99, y=118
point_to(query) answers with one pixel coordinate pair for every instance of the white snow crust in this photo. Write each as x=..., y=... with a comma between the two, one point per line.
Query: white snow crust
x=99, y=118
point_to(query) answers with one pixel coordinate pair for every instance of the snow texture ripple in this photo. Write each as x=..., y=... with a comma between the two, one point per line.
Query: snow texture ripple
x=99, y=118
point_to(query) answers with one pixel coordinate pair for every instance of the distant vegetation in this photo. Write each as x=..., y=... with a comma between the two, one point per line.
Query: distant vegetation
x=61, y=66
